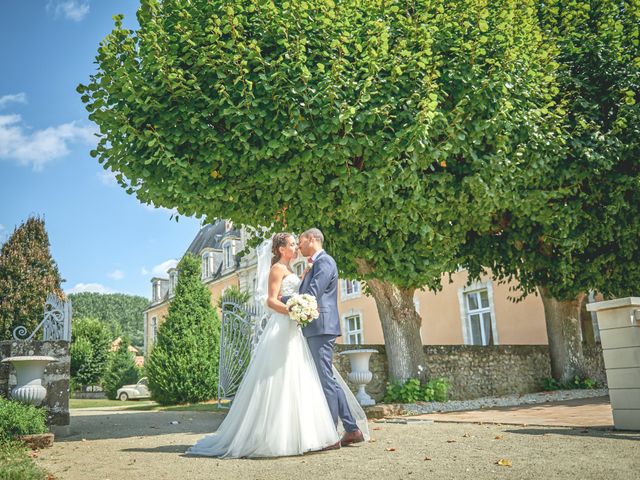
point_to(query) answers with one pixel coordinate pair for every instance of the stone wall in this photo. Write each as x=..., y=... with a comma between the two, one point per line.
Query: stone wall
x=475, y=371
x=56, y=375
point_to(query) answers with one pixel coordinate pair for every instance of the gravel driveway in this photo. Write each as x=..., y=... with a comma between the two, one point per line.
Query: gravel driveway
x=129, y=444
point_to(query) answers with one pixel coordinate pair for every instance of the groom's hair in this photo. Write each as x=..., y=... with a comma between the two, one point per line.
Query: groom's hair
x=314, y=233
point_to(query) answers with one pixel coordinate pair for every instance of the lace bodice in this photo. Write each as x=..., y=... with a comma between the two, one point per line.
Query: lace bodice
x=289, y=285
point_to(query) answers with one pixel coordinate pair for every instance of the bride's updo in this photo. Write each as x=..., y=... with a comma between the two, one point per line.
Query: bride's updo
x=278, y=240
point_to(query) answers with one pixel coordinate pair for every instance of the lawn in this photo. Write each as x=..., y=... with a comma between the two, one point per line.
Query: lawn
x=96, y=403
x=148, y=405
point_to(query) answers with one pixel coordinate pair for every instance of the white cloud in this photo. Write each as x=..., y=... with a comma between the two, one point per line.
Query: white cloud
x=152, y=208
x=89, y=287
x=116, y=275
x=161, y=269
x=74, y=10
x=42, y=146
x=144, y=271
x=2, y=227
x=108, y=178
x=16, y=98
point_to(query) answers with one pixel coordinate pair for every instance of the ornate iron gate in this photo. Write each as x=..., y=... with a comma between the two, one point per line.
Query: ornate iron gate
x=242, y=325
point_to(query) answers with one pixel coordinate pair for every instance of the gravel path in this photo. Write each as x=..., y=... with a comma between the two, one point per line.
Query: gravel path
x=111, y=445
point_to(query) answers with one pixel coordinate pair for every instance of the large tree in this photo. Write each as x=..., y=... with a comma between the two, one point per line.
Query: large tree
x=121, y=312
x=28, y=274
x=394, y=127
x=183, y=365
x=577, y=228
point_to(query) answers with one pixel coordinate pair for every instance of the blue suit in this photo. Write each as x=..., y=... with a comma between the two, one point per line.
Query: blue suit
x=322, y=282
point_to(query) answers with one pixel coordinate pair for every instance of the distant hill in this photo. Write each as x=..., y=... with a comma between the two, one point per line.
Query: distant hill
x=122, y=313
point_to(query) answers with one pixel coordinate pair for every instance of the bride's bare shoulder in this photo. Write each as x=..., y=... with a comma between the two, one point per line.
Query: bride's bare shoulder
x=278, y=269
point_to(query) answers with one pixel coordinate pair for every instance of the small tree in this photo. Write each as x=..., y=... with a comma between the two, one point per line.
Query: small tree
x=28, y=274
x=183, y=365
x=89, y=350
x=121, y=370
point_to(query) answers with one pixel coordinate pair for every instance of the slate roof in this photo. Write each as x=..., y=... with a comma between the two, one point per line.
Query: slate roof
x=211, y=236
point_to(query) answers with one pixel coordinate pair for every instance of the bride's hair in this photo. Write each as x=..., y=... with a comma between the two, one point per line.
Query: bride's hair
x=278, y=240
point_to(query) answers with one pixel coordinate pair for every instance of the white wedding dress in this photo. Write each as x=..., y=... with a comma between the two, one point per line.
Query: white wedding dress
x=279, y=408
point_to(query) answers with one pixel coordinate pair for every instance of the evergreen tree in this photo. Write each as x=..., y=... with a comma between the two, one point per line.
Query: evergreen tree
x=121, y=370
x=90, y=342
x=183, y=365
x=28, y=274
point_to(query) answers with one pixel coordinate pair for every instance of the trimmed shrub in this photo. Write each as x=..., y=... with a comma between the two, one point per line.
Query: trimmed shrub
x=19, y=419
x=183, y=365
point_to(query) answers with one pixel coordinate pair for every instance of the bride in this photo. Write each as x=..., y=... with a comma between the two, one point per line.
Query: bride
x=280, y=408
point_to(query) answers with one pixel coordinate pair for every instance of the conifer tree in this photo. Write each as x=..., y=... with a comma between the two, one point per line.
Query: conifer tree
x=183, y=365
x=28, y=274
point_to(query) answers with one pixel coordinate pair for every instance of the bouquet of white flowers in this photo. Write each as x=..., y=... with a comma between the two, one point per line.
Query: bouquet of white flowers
x=303, y=309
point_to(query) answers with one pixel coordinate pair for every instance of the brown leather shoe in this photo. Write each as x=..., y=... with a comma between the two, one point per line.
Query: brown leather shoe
x=352, y=437
x=333, y=446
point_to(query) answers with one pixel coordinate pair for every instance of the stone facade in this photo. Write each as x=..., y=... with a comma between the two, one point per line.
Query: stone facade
x=474, y=371
x=56, y=375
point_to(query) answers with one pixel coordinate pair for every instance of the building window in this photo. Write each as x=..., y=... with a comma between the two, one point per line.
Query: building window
x=353, y=329
x=154, y=330
x=350, y=289
x=479, y=317
x=156, y=291
x=228, y=255
x=173, y=281
x=298, y=267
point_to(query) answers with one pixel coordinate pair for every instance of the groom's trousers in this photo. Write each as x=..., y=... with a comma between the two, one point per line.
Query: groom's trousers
x=321, y=347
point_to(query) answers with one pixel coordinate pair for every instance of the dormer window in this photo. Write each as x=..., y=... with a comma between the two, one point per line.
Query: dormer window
x=173, y=281
x=227, y=250
x=156, y=290
x=207, y=265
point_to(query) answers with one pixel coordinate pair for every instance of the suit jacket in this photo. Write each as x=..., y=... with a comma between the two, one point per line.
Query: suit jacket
x=322, y=282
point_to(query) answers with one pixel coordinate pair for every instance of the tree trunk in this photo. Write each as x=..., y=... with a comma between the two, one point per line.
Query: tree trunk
x=564, y=335
x=588, y=333
x=400, y=327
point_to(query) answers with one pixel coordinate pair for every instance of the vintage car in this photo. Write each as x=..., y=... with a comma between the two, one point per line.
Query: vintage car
x=131, y=392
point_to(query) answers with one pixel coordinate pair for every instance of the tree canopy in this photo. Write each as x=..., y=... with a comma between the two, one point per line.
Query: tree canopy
x=395, y=128
x=578, y=228
x=120, y=312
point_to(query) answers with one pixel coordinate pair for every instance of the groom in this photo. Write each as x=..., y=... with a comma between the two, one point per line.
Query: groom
x=321, y=281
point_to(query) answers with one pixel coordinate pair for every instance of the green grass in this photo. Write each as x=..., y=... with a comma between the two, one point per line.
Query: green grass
x=210, y=406
x=146, y=405
x=96, y=403
x=15, y=463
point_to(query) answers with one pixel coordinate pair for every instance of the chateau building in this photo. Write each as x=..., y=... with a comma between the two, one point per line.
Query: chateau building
x=476, y=314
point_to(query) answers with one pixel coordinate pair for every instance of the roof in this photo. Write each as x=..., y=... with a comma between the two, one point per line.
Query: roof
x=211, y=236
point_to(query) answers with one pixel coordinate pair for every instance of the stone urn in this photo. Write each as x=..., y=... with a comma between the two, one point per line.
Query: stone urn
x=29, y=376
x=360, y=373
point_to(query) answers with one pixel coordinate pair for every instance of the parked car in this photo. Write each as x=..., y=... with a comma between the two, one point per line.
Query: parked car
x=131, y=392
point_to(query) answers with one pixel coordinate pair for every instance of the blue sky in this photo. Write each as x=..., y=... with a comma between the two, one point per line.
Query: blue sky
x=102, y=239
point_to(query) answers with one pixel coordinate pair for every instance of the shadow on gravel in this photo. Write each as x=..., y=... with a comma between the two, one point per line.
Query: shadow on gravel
x=109, y=425
x=162, y=449
x=596, y=432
